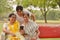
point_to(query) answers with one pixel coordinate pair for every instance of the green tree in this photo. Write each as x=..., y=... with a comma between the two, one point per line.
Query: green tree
x=44, y=5
x=4, y=7
x=24, y=3
x=58, y=2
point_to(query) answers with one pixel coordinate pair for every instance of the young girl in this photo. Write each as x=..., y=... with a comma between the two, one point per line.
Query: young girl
x=12, y=28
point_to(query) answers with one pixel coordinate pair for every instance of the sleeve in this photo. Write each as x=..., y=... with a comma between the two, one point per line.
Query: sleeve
x=25, y=11
x=5, y=25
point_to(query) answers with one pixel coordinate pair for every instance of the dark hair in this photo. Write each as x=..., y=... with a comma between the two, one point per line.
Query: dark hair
x=19, y=8
x=21, y=27
x=11, y=15
x=28, y=15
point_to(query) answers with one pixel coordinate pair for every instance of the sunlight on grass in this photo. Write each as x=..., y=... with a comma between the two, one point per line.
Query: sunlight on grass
x=49, y=21
x=1, y=25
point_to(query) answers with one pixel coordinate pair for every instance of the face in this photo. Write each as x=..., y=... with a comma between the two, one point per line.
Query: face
x=12, y=18
x=19, y=12
x=26, y=18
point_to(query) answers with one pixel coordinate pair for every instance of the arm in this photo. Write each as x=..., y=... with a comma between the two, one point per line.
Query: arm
x=30, y=14
x=7, y=31
x=38, y=32
x=33, y=17
x=36, y=36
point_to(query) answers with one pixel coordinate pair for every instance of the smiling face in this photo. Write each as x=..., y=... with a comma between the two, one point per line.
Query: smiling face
x=26, y=18
x=19, y=12
x=12, y=18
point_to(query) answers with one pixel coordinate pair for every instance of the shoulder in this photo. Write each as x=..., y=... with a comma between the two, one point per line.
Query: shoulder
x=25, y=11
x=16, y=22
x=5, y=25
x=33, y=23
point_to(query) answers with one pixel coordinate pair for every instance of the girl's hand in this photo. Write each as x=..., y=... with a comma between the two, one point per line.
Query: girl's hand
x=12, y=34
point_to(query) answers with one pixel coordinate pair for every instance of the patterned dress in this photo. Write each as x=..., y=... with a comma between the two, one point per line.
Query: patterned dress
x=30, y=29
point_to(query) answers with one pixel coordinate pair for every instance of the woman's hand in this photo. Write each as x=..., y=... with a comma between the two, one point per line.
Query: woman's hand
x=33, y=38
x=22, y=32
x=12, y=34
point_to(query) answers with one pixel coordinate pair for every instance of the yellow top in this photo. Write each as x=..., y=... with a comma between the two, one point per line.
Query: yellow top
x=14, y=28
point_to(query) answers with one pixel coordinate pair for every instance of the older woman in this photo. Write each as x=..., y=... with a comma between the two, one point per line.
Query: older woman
x=12, y=28
x=31, y=28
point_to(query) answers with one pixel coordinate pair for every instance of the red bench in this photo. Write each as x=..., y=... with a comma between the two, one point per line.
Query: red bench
x=49, y=32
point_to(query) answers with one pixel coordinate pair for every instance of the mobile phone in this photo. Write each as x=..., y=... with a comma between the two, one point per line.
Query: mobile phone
x=21, y=27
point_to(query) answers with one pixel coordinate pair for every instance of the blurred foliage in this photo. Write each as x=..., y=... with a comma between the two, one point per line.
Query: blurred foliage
x=51, y=15
x=4, y=7
x=44, y=5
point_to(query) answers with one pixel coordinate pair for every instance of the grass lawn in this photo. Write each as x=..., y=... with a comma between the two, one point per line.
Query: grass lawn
x=1, y=25
x=49, y=21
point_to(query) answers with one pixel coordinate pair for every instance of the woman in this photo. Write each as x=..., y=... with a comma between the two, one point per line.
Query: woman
x=31, y=28
x=11, y=29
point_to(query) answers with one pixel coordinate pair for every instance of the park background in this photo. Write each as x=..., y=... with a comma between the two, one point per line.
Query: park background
x=47, y=12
